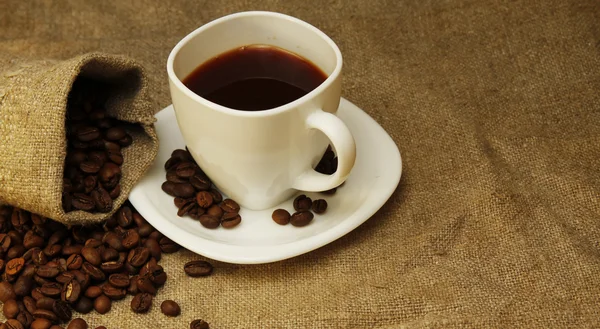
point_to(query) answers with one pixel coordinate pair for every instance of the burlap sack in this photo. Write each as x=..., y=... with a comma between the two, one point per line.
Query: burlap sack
x=33, y=105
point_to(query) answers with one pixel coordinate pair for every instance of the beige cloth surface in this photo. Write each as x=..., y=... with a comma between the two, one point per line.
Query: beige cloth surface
x=495, y=107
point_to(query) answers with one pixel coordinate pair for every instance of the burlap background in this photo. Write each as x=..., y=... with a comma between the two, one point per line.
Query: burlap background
x=495, y=106
x=33, y=107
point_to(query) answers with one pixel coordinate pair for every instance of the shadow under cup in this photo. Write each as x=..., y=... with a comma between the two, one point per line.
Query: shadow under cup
x=254, y=157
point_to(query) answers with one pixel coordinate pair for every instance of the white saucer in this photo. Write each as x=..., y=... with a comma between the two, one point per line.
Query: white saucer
x=258, y=239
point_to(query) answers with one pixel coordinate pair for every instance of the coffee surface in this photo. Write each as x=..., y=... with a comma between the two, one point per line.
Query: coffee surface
x=255, y=78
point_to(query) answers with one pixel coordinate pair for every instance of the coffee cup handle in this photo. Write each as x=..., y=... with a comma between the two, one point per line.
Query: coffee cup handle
x=345, y=148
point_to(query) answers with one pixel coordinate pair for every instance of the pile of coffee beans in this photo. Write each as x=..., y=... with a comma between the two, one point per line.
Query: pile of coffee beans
x=48, y=269
x=92, y=169
x=195, y=196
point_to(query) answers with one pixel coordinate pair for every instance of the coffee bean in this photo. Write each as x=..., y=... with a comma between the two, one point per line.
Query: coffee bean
x=215, y=211
x=74, y=262
x=187, y=208
x=154, y=248
x=229, y=205
x=119, y=280
x=171, y=164
x=115, y=134
x=199, y=324
x=52, y=250
x=83, y=202
x=5, y=242
x=45, y=303
x=302, y=202
x=138, y=256
x=90, y=167
x=209, y=221
x=198, y=268
x=45, y=314
x=100, y=157
x=230, y=220
x=172, y=177
x=204, y=199
x=94, y=272
x=113, y=241
x=112, y=266
x=102, y=304
x=14, y=266
x=23, y=285
x=32, y=240
x=124, y=216
x=113, y=292
x=281, y=216
x=62, y=310
x=217, y=196
x=46, y=271
x=115, y=192
x=102, y=200
x=78, y=323
x=329, y=192
x=15, y=251
x=168, y=246
x=51, y=289
x=91, y=255
x=71, y=291
x=144, y=284
x=319, y=206
x=116, y=157
x=41, y=324
x=13, y=324
x=170, y=308
x=301, y=218
x=109, y=175
x=37, y=293
x=184, y=190
x=200, y=182
x=93, y=292
x=29, y=303
x=141, y=302
x=131, y=239
x=133, y=289
x=10, y=309
x=72, y=249
x=126, y=141
x=186, y=169
x=88, y=133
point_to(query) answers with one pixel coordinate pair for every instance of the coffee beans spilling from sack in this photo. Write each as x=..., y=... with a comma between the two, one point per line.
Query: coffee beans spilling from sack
x=195, y=196
x=93, y=163
x=49, y=269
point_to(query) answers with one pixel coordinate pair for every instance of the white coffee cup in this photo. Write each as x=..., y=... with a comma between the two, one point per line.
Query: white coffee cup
x=261, y=158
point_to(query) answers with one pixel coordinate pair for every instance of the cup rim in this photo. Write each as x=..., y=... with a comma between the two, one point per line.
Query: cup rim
x=286, y=107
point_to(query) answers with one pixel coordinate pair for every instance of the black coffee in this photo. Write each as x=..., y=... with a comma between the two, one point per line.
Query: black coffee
x=255, y=78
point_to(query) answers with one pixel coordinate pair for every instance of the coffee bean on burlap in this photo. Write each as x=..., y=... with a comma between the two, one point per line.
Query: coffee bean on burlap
x=141, y=302
x=199, y=324
x=102, y=304
x=198, y=268
x=170, y=308
x=77, y=323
